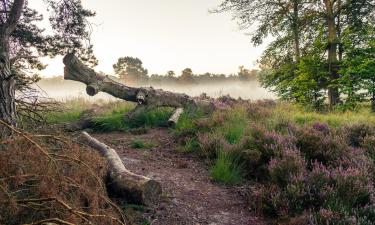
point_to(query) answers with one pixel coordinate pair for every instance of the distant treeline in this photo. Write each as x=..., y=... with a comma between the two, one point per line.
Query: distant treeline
x=129, y=70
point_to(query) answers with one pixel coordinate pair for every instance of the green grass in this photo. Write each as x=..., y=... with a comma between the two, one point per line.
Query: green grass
x=151, y=118
x=71, y=110
x=234, y=125
x=337, y=118
x=113, y=119
x=191, y=145
x=226, y=169
x=186, y=125
x=139, y=143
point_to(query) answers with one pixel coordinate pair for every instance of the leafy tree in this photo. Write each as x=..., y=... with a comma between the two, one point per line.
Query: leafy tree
x=310, y=45
x=130, y=69
x=245, y=74
x=171, y=74
x=22, y=42
x=358, y=67
x=187, y=75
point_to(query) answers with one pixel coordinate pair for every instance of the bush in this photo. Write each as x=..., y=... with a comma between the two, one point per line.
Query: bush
x=356, y=133
x=319, y=145
x=211, y=144
x=287, y=168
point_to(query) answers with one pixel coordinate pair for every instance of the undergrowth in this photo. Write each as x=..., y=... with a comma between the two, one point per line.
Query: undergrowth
x=50, y=179
x=303, y=167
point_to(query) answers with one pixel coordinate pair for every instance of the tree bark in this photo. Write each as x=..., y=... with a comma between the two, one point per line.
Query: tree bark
x=147, y=98
x=135, y=188
x=296, y=30
x=77, y=71
x=7, y=89
x=333, y=92
x=7, y=79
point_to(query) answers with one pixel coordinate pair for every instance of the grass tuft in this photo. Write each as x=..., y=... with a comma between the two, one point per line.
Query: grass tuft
x=139, y=143
x=226, y=169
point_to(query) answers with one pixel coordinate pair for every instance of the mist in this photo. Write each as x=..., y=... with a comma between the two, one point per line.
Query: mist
x=252, y=90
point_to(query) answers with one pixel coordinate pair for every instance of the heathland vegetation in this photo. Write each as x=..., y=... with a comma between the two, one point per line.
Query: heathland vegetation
x=306, y=158
x=296, y=166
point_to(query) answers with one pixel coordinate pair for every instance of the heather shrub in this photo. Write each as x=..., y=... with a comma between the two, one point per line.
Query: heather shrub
x=210, y=144
x=287, y=168
x=320, y=146
x=369, y=145
x=322, y=127
x=259, y=146
x=356, y=133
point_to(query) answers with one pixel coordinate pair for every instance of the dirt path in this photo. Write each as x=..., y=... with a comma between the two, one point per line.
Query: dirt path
x=190, y=196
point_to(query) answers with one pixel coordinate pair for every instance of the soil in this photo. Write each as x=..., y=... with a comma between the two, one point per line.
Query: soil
x=189, y=195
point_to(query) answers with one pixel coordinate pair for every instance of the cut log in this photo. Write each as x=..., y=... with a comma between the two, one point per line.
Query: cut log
x=175, y=116
x=136, y=188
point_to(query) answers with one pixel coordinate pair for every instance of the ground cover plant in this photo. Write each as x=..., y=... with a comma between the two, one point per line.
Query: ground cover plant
x=299, y=166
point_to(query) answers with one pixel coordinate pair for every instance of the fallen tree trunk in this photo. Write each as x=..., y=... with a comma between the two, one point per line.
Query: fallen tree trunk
x=146, y=98
x=77, y=71
x=136, y=188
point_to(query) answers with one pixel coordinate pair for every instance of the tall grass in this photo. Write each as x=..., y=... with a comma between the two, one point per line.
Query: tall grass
x=71, y=110
x=111, y=116
x=226, y=169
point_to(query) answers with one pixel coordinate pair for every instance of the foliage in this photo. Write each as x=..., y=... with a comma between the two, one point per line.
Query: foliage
x=319, y=49
x=304, y=167
x=130, y=69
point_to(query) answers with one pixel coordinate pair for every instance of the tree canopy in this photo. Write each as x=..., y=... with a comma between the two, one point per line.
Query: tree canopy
x=320, y=50
x=23, y=41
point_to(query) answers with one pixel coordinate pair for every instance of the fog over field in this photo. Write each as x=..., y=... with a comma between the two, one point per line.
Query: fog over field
x=62, y=89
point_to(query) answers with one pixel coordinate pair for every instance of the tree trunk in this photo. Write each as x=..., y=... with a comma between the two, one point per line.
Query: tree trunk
x=135, y=188
x=373, y=96
x=7, y=89
x=333, y=92
x=147, y=98
x=296, y=31
x=77, y=71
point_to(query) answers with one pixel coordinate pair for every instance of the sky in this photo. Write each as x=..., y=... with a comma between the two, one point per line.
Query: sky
x=165, y=35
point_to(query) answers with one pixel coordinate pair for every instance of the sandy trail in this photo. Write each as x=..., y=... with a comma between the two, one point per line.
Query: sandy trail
x=190, y=197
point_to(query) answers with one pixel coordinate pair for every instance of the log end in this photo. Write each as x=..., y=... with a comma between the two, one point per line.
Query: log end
x=151, y=192
x=92, y=89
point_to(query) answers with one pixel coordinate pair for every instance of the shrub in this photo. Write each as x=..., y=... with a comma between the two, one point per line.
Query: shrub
x=211, y=144
x=357, y=132
x=369, y=145
x=317, y=145
x=259, y=147
x=287, y=168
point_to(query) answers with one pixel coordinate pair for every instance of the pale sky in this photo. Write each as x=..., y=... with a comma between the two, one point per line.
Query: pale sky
x=165, y=35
